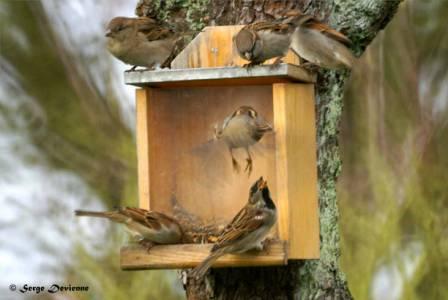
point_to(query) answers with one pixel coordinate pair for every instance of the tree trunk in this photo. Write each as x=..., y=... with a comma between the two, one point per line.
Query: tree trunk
x=361, y=21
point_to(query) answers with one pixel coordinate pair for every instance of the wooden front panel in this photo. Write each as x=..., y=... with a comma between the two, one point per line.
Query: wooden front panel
x=190, y=169
x=142, y=107
x=294, y=121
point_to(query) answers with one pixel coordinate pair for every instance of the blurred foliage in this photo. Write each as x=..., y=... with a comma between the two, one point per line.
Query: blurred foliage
x=80, y=128
x=74, y=119
x=393, y=189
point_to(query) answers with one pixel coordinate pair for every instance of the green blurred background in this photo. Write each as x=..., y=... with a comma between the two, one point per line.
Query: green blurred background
x=67, y=141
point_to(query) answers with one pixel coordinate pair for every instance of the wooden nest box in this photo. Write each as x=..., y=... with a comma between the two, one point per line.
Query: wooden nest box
x=184, y=172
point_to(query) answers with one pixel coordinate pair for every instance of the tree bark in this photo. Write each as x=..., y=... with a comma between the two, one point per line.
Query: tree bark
x=361, y=21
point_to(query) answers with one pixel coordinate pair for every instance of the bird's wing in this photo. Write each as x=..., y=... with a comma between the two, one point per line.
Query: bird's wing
x=150, y=219
x=155, y=220
x=279, y=27
x=135, y=213
x=263, y=126
x=328, y=31
x=245, y=222
x=152, y=30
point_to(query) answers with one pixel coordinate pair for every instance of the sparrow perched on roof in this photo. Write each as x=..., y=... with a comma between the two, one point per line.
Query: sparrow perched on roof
x=319, y=44
x=242, y=129
x=146, y=227
x=261, y=41
x=142, y=42
x=307, y=37
x=247, y=229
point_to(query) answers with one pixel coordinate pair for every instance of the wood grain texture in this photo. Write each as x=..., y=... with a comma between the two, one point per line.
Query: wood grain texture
x=142, y=107
x=190, y=169
x=294, y=123
x=190, y=255
x=214, y=47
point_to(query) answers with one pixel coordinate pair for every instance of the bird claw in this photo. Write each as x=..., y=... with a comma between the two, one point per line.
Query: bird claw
x=249, y=65
x=310, y=67
x=248, y=166
x=276, y=63
x=259, y=247
x=266, y=243
x=131, y=69
x=147, y=244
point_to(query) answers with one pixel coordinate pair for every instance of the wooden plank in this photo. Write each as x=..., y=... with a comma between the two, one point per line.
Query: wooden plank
x=142, y=107
x=192, y=171
x=214, y=47
x=190, y=255
x=295, y=133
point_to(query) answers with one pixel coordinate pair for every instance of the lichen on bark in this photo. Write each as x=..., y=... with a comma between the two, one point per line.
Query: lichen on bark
x=361, y=21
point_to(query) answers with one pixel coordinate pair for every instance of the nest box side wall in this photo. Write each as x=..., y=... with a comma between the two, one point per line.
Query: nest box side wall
x=142, y=106
x=295, y=134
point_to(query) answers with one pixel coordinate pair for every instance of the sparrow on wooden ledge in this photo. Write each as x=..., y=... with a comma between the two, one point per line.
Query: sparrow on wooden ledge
x=319, y=44
x=242, y=129
x=261, y=41
x=142, y=42
x=146, y=227
x=247, y=230
x=307, y=37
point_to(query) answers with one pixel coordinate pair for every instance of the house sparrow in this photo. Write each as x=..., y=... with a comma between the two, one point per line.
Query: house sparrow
x=310, y=39
x=261, y=41
x=142, y=42
x=146, y=227
x=319, y=44
x=243, y=128
x=247, y=230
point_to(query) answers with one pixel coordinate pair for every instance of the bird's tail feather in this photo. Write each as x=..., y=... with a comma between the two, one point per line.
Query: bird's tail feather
x=114, y=216
x=199, y=272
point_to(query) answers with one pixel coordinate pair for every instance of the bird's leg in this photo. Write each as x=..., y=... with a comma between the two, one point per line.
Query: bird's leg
x=276, y=62
x=249, y=65
x=147, y=244
x=249, y=163
x=236, y=166
x=131, y=69
x=310, y=66
x=259, y=247
x=266, y=243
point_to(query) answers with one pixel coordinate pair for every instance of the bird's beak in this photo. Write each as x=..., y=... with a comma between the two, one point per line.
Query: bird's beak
x=263, y=184
x=108, y=33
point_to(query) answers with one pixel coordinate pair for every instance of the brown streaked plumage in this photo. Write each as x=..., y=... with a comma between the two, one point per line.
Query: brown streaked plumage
x=247, y=230
x=242, y=129
x=147, y=227
x=320, y=44
x=311, y=39
x=142, y=42
x=261, y=41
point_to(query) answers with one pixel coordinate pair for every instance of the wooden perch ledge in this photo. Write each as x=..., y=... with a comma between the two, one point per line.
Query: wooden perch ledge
x=190, y=255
